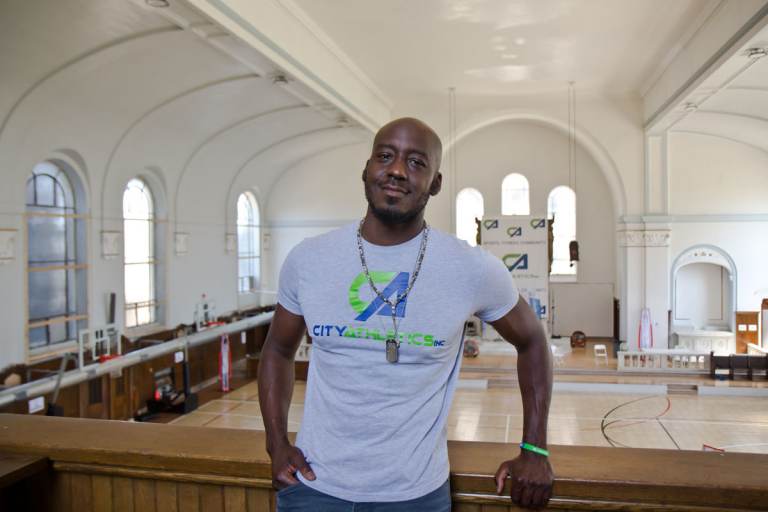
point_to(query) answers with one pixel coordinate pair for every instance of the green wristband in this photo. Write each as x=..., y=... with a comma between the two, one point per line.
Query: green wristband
x=534, y=449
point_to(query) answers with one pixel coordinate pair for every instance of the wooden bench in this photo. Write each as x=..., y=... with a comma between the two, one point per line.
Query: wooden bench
x=750, y=366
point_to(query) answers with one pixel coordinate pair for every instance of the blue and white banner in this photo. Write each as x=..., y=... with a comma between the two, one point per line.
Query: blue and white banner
x=521, y=243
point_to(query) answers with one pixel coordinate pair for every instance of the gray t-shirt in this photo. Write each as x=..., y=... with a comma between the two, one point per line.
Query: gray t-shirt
x=374, y=430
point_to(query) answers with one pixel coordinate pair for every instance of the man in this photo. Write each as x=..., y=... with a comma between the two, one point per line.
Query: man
x=385, y=302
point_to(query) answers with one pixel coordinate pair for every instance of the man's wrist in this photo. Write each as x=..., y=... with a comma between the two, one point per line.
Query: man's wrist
x=530, y=449
x=277, y=444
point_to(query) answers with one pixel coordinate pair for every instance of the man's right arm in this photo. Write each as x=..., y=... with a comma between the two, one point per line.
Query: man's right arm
x=276, y=377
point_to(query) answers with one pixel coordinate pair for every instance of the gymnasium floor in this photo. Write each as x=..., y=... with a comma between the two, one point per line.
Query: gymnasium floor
x=672, y=421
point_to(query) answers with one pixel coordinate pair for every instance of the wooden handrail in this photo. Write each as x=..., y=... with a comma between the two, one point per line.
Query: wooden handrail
x=588, y=478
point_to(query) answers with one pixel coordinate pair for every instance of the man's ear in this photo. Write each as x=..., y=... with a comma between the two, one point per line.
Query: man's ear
x=437, y=184
x=365, y=169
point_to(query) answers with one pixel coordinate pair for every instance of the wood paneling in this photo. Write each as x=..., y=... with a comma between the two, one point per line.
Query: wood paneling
x=115, y=466
x=167, y=496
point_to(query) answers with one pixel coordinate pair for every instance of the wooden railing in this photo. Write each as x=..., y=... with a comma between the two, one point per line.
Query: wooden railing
x=99, y=465
x=677, y=361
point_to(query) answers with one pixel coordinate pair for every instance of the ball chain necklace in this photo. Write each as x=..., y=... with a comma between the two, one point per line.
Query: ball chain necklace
x=392, y=344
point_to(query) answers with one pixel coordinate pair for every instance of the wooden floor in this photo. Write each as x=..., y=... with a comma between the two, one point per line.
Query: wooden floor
x=687, y=422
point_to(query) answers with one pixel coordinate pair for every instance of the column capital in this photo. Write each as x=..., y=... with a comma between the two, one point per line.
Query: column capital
x=643, y=238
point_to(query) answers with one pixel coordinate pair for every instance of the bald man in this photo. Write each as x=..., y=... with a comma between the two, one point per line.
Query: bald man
x=385, y=301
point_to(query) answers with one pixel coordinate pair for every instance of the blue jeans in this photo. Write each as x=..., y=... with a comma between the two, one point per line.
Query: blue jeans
x=301, y=498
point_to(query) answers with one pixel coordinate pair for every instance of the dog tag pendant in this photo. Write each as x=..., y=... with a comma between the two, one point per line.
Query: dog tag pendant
x=392, y=351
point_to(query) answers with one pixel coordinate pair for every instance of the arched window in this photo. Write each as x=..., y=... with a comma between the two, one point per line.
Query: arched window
x=248, y=247
x=469, y=206
x=56, y=270
x=561, y=206
x=139, y=243
x=514, y=195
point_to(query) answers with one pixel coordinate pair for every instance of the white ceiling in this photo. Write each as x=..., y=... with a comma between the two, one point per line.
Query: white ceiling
x=732, y=103
x=507, y=46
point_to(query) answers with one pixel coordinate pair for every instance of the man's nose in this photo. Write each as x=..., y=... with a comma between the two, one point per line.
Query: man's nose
x=397, y=169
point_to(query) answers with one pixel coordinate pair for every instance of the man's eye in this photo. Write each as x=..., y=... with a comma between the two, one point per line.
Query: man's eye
x=384, y=156
x=417, y=162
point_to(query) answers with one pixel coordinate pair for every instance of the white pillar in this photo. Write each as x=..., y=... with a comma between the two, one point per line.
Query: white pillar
x=645, y=253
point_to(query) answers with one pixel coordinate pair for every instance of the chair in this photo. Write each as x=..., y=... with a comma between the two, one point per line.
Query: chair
x=740, y=366
x=557, y=357
x=601, y=352
x=719, y=365
x=758, y=366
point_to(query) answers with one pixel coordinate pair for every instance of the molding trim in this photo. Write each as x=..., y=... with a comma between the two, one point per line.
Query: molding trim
x=691, y=218
x=644, y=238
x=7, y=245
x=180, y=243
x=110, y=244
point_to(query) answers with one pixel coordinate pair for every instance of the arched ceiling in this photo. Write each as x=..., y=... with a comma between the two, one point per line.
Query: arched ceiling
x=129, y=87
x=732, y=103
x=504, y=47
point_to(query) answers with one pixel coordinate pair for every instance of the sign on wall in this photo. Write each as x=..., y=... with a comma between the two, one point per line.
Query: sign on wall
x=521, y=243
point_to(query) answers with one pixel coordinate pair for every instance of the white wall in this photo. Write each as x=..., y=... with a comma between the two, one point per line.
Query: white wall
x=702, y=296
x=710, y=175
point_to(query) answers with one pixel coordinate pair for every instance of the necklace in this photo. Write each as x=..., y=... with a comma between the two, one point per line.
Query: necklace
x=393, y=344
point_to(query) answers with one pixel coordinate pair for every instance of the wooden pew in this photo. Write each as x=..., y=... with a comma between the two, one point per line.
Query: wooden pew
x=100, y=465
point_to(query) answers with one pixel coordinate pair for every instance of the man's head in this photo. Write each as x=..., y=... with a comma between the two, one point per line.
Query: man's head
x=403, y=170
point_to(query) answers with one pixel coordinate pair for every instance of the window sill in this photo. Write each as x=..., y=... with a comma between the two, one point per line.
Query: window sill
x=39, y=355
x=563, y=278
x=143, y=330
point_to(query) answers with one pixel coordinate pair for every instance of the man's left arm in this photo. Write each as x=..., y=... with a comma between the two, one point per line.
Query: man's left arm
x=531, y=473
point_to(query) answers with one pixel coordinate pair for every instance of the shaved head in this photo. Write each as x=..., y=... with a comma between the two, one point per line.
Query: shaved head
x=434, y=143
x=402, y=171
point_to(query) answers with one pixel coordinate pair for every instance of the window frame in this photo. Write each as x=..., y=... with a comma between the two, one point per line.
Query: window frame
x=252, y=228
x=151, y=303
x=463, y=193
x=509, y=204
x=551, y=215
x=66, y=185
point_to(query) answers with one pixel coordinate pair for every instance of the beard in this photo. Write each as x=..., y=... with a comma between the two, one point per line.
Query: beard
x=390, y=213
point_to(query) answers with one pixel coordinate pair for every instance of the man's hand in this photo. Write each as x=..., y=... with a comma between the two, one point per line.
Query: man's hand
x=286, y=461
x=531, y=476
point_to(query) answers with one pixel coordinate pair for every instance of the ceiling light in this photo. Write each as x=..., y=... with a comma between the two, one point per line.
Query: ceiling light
x=158, y=3
x=690, y=107
x=343, y=122
x=279, y=79
x=500, y=47
x=756, y=53
x=520, y=41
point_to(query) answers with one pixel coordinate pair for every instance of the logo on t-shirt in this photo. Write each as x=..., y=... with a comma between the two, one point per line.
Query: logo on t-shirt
x=390, y=284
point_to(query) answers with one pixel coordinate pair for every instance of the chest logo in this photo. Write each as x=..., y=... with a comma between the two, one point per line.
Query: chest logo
x=389, y=284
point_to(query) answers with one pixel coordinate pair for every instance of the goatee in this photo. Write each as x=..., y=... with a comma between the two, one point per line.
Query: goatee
x=391, y=215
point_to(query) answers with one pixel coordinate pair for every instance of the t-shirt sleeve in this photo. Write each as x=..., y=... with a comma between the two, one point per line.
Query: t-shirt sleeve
x=288, y=283
x=497, y=293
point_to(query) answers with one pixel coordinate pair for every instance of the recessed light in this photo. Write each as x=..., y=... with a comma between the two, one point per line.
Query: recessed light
x=500, y=47
x=690, y=107
x=756, y=53
x=158, y=3
x=520, y=41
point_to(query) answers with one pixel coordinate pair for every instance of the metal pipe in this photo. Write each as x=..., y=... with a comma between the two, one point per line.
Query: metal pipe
x=72, y=377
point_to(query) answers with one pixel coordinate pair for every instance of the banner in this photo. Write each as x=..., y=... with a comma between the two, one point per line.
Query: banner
x=521, y=243
x=645, y=332
x=225, y=363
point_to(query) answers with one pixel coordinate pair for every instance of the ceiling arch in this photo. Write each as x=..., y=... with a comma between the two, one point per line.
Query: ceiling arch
x=583, y=138
x=264, y=167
